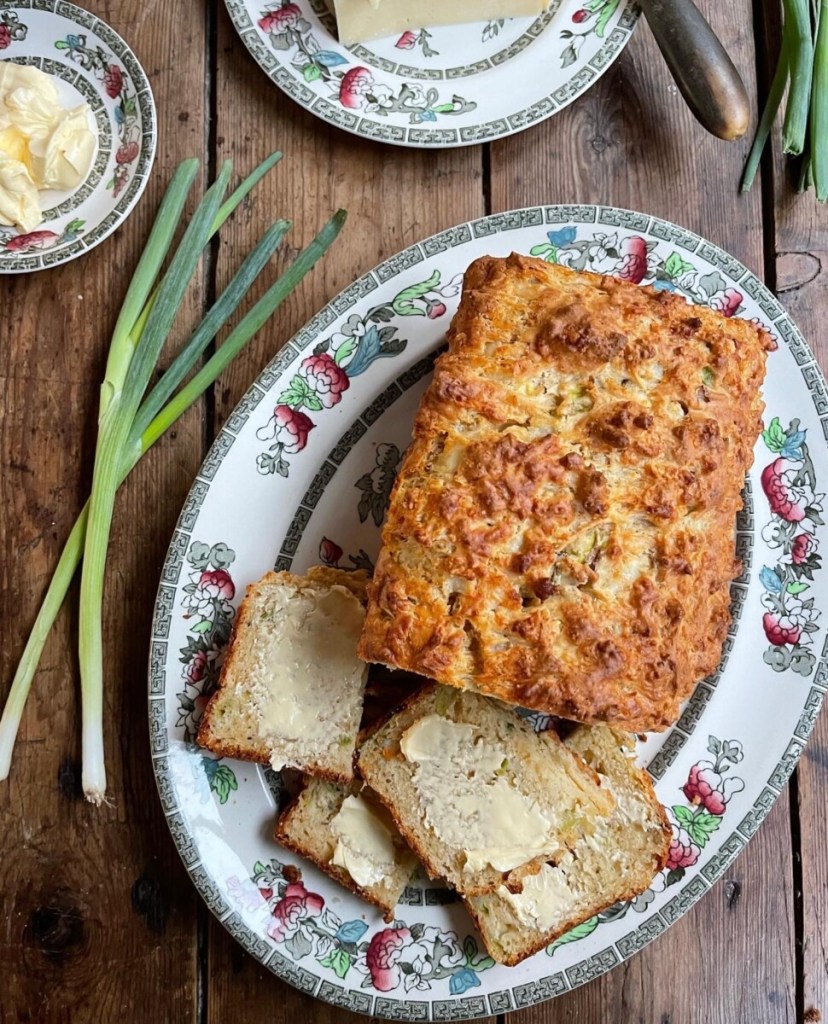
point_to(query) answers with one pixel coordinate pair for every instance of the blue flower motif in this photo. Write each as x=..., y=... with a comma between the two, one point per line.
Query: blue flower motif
x=73, y=41
x=428, y=115
x=664, y=286
x=462, y=981
x=563, y=236
x=119, y=114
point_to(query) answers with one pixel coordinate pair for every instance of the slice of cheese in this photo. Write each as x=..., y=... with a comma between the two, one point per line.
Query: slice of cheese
x=359, y=20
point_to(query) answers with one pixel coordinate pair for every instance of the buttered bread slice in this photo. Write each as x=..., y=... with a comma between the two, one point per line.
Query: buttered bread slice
x=290, y=692
x=617, y=862
x=475, y=792
x=350, y=836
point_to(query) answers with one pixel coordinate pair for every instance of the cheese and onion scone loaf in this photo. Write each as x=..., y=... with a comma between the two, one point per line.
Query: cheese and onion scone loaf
x=561, y=532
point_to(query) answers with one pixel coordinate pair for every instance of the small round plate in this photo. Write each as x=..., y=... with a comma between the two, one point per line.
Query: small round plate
x=441, y=87
x=91, y=64
x=301, y=473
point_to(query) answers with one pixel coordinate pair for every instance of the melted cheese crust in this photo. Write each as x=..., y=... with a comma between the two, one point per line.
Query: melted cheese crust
x=561, y=533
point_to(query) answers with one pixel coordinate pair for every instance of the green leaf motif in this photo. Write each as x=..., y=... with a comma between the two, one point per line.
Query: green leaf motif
x=61, y=44
x=338, y=960
x=796, y=588
x=311, y=72
x=774, y=436
x=578, y=932
x=675, y=266
x=223, y=783
x=201, y=627
x=345, y=350
x=258, y=869
x=604, y=18
x=683, y=815
x=702, y=826
x=403, y=302
x=298, y=394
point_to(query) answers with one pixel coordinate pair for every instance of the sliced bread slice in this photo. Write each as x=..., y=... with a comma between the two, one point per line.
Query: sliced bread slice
x=350, y=836
x=290, y=692
x=475, y=792
x=617, y=862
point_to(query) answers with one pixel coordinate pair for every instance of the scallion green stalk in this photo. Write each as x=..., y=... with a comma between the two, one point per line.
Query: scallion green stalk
x=148, y=428
x=800, y=45
x=819, y=107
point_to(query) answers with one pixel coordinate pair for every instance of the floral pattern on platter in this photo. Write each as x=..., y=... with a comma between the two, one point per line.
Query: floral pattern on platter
x=354, y=88
x=420, y=38
x=789, y=483
x=595, y=15
x=322, y=377
x=208, y=610
x=34, y=241
x=118, y=87
x=12, y=29
x=634, y=258
x=398, y=956
x=708, y=790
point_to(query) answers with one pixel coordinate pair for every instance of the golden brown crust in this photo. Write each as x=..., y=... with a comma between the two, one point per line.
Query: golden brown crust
x=252, y=748
x=561, y=531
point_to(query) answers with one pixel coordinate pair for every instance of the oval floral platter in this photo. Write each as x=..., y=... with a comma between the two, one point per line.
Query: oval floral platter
x=90, y=63
x=301, y=474
x=440, y=87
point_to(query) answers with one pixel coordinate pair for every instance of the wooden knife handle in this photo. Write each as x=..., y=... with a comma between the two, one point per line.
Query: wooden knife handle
x=705, y=75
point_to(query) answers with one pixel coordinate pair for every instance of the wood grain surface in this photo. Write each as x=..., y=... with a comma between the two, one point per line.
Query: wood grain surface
x=98, y=920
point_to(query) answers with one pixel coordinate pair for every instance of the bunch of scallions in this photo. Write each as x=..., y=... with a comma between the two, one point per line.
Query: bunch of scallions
x=803, y=69
x=132, y=417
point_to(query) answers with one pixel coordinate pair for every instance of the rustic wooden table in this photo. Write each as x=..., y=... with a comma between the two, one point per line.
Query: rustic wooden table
x=99, y=920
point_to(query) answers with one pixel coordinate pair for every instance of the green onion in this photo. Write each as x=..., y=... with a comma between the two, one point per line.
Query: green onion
x=802, y=69
x=136, y=344
x=819, y=107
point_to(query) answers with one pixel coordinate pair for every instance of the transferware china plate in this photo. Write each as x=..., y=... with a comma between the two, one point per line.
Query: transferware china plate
x=90, y=63
x=439, y=87
x=301, y=475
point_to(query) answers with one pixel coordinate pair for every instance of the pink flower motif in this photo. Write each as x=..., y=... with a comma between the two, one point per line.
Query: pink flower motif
x=196, y=668
x=727, y=303
x=216, y=584
x=5, y=37
x=280, y=19
x=382, y=956
x=325, y=378
x=710, y=789
x=803, y=545
x=353, y=87
x=407, y=41
x=329, y=553
x=634, y=264
x=290, y=428
x=580, y=16
x=113, y=81
x=435, y=310
x=683, y=851
x=120, y=180
x=780, y=629
x=127, y=152
x=292, y=909
x=788, y=500
x=33, y=240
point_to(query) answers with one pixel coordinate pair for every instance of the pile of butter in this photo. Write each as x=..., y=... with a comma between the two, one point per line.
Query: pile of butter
x=42, y=144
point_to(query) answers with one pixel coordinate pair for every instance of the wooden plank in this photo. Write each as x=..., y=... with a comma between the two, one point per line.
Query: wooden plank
x=630, y=142
x=98, y=913
x=394, y=197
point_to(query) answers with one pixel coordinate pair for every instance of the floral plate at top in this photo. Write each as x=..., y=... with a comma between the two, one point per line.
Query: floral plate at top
x=301, y=474
x=440, y=87
x=90, y=63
